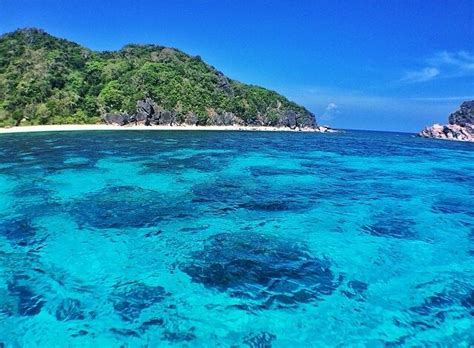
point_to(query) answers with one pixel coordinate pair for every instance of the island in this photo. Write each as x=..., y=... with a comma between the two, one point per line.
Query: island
x=460, y=126
x=45, y=80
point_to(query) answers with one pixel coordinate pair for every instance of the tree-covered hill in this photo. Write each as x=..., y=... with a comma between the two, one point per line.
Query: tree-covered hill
x=46, y=80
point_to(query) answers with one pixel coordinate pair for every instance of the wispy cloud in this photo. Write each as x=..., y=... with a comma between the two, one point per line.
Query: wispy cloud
x=422, y=75
x=442, y=64
x=444, y=99
x=462, y=60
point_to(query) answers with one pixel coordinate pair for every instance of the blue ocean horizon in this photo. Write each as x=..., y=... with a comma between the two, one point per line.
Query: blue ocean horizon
x=208, y=238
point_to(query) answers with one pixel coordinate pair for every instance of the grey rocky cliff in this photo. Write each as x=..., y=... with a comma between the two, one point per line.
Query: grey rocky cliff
x=150, y=113
x=463, y=116
x=460, y=127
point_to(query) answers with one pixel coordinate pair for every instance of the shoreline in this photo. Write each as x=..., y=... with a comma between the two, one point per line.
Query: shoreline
x=104, y=127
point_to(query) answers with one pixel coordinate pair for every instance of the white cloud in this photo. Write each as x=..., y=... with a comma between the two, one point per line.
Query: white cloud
x=442, y=64
x=330, y=112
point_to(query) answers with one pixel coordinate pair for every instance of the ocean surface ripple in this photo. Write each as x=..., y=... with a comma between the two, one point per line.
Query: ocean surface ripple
x=235, y=239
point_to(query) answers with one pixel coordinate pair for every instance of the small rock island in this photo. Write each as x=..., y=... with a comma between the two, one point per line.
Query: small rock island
x=460, y=127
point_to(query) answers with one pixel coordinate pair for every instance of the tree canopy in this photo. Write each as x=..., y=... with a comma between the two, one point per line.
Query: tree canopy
x=46, y=80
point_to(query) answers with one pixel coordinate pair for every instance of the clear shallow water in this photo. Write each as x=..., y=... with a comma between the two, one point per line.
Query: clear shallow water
x=235, y=239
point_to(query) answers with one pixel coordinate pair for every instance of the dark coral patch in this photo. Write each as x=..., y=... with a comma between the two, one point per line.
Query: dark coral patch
x=468, y=302
x=273, y=272
x=355, y=289
x=29, y=303
x=225, y=191
x=260, y=171
x=453, y=206
x=151, y=323
x=176, y=337
x=437, y=307
x=229, y=195
x=357, y=286
x=70, y=309
x=19, y=231
x=270, y=205
x=433, y=304
x=131, y=299
x=260, y=340
x=33, y=189
x=80, y=333
x=194, y=229
x=127, y=206
x=118, y=207
x=457, y=300
x=125, y=332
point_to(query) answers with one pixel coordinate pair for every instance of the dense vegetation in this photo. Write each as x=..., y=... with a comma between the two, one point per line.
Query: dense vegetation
x=46, y=80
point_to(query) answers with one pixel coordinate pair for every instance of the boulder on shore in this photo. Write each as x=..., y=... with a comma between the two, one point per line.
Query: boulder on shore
x=149, y=112
x=117, y=119
x=460, y=127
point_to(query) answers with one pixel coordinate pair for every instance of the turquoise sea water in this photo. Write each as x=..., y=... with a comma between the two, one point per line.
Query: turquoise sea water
x=235, y=239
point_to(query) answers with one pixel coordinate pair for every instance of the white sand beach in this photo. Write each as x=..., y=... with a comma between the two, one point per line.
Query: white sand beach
x=104, y=127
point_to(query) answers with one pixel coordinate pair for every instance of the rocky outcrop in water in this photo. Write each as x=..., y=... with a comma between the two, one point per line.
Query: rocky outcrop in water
x=460, y=127
x=449, y=132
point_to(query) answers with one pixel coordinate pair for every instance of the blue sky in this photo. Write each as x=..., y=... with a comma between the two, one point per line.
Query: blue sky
x=382, y=65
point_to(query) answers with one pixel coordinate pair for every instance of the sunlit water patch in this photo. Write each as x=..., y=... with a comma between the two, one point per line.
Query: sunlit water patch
x=235, y=239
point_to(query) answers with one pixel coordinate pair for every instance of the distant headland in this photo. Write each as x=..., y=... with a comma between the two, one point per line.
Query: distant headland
x=49, y=81
x=460, y=127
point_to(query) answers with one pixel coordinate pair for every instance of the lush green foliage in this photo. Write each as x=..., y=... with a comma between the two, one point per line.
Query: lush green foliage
x=46, y=80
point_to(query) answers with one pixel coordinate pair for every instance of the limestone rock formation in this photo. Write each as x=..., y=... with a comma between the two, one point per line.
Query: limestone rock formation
x=460, y=127
x=463, y=116
x=149, y=113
